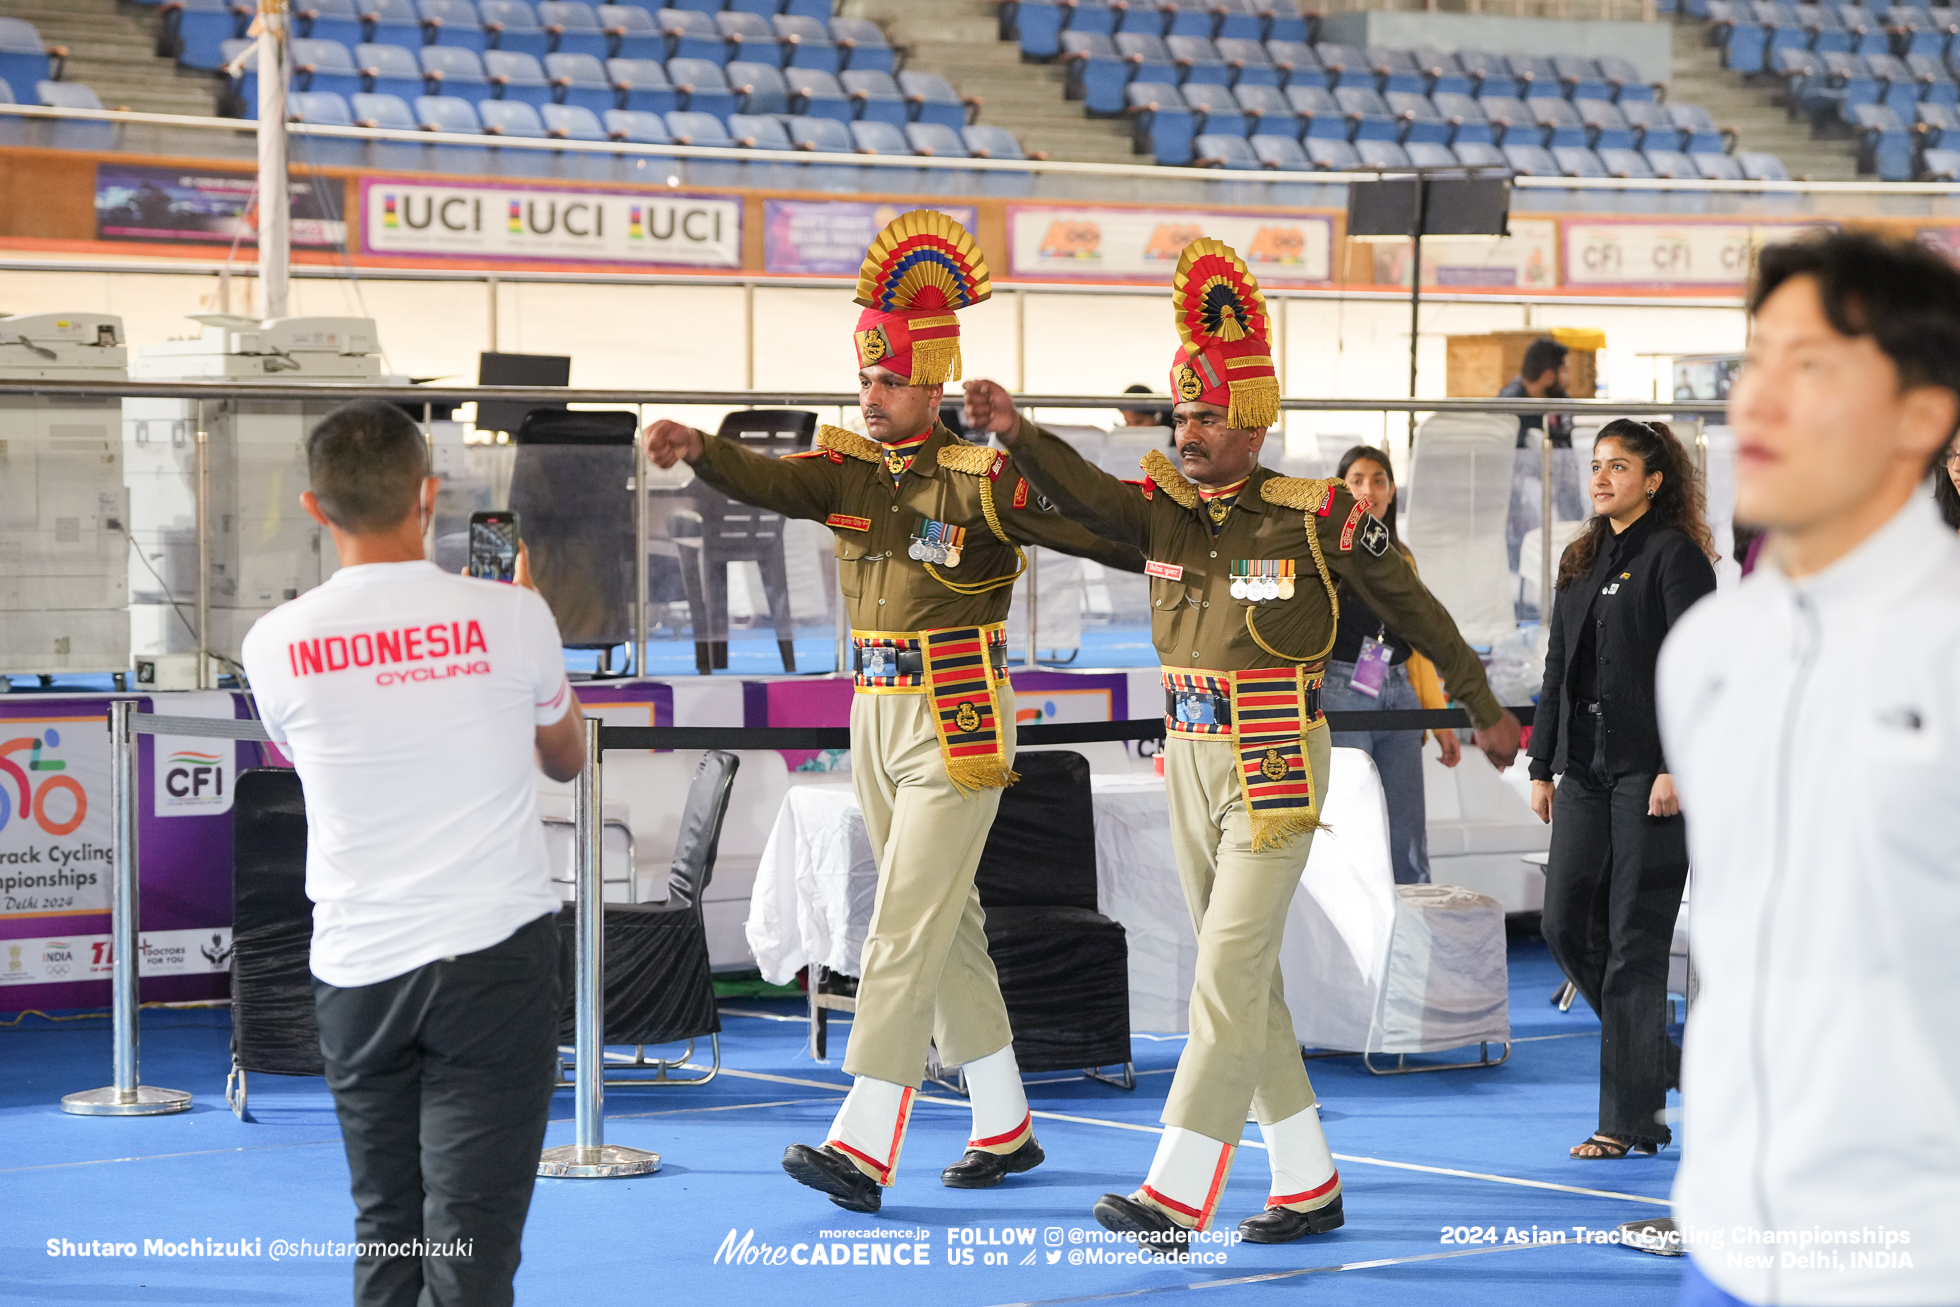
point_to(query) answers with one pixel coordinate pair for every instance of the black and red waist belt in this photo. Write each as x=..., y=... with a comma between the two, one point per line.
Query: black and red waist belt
x=1201, y=703
x=896, y=660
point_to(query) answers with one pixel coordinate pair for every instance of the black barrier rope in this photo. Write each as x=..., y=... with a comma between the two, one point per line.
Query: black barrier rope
x=1137, y=728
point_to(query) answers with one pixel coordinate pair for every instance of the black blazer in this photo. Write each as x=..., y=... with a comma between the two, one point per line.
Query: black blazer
x=1633, y=604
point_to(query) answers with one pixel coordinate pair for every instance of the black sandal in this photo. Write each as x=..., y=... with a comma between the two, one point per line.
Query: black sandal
x=1612, y=1148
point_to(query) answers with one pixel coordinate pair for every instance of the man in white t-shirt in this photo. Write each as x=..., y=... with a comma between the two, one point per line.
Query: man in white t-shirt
x=413, y=704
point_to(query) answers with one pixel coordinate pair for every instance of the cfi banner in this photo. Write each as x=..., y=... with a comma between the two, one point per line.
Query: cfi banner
x=191, y=776
x=54, y=815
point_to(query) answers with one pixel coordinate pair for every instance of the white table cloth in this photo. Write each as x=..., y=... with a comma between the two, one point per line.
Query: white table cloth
x=817, y=880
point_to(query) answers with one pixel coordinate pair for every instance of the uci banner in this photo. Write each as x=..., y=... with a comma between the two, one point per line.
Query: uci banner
x=54, y=815
x=417, y=218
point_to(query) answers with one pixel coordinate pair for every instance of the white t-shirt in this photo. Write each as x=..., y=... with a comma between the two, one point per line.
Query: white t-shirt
x=409, y=700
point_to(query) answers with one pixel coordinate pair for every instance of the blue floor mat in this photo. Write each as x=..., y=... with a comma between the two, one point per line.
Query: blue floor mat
x=1435, y=1167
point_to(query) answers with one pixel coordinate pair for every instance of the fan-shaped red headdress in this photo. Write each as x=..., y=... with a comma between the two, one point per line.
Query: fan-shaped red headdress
x=1225, y=359
x=921, y=269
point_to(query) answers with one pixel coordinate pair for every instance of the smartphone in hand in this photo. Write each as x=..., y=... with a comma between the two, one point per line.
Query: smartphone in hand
x=493, y=546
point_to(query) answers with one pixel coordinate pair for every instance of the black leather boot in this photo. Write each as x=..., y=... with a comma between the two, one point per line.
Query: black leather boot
x=1149, y=1227
x=830, y=1172
x=1284, y=1225
x=980, y=1169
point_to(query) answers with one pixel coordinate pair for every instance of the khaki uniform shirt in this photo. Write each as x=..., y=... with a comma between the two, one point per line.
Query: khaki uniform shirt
x=845, y=484
x=1195, y=621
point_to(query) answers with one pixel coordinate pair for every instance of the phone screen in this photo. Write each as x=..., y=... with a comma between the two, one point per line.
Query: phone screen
x=493, y=546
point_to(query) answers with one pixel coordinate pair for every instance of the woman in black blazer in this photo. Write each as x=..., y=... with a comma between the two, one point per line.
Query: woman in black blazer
x=1619, y=856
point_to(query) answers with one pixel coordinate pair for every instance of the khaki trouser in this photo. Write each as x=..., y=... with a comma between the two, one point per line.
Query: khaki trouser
x=1242, y=1051
x=925, y=973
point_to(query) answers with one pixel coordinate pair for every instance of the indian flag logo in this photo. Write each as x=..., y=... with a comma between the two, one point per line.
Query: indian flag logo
x=194, y=759
x=516, y=218
x=635, y=225
x=390, y=220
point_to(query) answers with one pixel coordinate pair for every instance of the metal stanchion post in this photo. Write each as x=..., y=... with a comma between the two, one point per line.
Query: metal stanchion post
x=128, y=1096
x=591, y=1157
x=1548, y=502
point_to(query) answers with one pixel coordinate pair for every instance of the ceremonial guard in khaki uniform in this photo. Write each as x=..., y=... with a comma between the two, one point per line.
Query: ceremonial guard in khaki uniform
x=929, y=532
x=1242, y=565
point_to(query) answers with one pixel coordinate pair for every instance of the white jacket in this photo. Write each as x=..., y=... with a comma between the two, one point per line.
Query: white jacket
x=1813, y=728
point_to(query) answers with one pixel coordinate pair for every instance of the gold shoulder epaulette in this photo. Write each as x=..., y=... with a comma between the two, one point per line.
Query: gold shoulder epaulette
x=1308, y=494
x=974, y=460
x=849, y=443
x=1158, y=467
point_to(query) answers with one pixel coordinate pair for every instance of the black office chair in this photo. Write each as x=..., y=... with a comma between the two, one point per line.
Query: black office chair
x=1064, y=967
x=658, y=989
x=571, y=487
x=272, y=1024
x=721, y=531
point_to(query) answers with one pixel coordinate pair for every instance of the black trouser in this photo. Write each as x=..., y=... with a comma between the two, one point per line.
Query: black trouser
x=1612, y=891
x=442, y=1078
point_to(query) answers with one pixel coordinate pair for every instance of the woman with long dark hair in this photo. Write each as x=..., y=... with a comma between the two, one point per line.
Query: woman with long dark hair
x=1372, y=667
x=1946, y=485
x=1619, y=856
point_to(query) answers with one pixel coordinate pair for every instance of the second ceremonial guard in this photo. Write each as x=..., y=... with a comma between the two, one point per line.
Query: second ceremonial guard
x=929, y=532
x=1242, y=566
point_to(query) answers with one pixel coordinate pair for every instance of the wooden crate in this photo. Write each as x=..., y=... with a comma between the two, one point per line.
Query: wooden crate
x=1484, y=365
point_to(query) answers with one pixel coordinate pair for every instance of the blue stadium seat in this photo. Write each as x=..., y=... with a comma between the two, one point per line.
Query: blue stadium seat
x=385, y=111
x=1703, y=137
x=1671, y=164
x=389, y=70
x=515, y=76
x=195, y=29
x=699, y=129
x=1214, y=110
x=1479, y=154
x=618, y=30
x=862, y=45
x=1939, y=165
x=1884, y=145
x=1298, y=65
x=1822, y=29
x=1395, y=70
x=1625, y=163
x=1344, y=65
x=759, y=88
x=1800, y=71
x=1578, y=161
x=1867, y=33
x=824, y=135
x=1140, y=17
x=1531, y=160
x=636, y=126
x=1721, y=167
x=513, y=25
x=320, y=108
x=1580, y=78
x=329, y=20
x=1442, y=74
x=1490, y=72
x=1280, y=152
x=750, y=39
x=1652, y=128
x=1035, y=24
x=1088, y=16
x=875, y=136
x=1186, y=19
x=1218, y=151
x=875, y=96
x=1745, y=45
x=1760, y=166
x=1162, y=123
x=66, y=95
x=1319, y=113
x=510, y=118
x=447, y=113
x=642, y=87
x=1267, y=112
x=325, y=66
x=932, y=99
x=691, y=35
x=1197, y=60
x=1148, y=57
x=1331, y=155
x=700, y=6
x=452, y=23
x=1430, y=154
x=1368, y=117
x=1095, y=74
x=571, y=122
x=1468, y=123
x=1935, y=83
x=1247, y=62
x=1897, y=87
x=1237, y=20
x=453, y=71
x=1606, y=126
x=935, y=139
x=1507, y=115
x=754, y=131
x=391, y=22
x=1381, y=154
x=1560, y=120
x=988, y=141
x=1285, y=22
x=1536, y=74
x=1625, y=79
x=1915, y=30
x=817, y=9
x=580, y=79
x=1936, y=125
x=817, y=94
x=808, y=44
x=702, y=88
x=1420, y=123
x=1782, y=28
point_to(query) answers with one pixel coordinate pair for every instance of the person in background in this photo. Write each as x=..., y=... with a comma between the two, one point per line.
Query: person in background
x=1619, y=855
x=1946, y=487
x=1141, y=417
x=1372, y=668
x=413, y=703
x=1546, y=373
x=1812, y=717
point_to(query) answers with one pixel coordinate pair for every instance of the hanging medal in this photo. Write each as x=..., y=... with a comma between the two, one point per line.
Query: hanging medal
x=937, y=542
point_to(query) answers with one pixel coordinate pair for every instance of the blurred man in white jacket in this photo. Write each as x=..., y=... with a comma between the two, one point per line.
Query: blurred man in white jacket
x=1812, y=720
